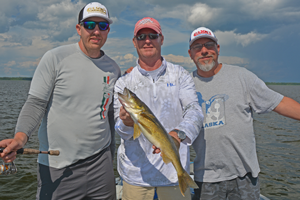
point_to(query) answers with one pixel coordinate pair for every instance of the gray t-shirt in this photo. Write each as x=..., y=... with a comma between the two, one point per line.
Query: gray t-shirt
x=79, y=91
x=225, y=147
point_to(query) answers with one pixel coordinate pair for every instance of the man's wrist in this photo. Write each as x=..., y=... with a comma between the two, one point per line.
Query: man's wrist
x=21, y=138
x=180, y=134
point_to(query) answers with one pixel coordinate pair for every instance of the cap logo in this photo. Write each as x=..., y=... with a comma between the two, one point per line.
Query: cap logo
x=202, y=32
x=96, y=9
x=145, y=21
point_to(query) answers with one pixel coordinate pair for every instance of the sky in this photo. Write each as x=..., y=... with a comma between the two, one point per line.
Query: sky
x=260, y=35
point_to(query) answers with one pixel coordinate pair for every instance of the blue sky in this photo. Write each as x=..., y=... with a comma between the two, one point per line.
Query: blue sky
x=261, y=35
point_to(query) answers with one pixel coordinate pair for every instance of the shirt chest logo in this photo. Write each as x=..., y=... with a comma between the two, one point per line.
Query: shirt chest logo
x=213, y=110
x=171, y=84
x=105, y=98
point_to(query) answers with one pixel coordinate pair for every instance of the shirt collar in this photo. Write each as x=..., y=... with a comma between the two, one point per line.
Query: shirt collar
x=145, y=73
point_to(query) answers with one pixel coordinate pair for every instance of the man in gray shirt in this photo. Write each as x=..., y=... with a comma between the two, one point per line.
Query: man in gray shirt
x=72, y=93
x=226, y=164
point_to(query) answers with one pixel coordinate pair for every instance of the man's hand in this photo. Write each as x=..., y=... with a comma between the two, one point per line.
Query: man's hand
x=11, y=146
x=125, y=117
x=128, y=70
x=155, y=149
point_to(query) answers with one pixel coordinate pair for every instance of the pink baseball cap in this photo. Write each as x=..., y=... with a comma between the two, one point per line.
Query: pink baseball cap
x=147, y=22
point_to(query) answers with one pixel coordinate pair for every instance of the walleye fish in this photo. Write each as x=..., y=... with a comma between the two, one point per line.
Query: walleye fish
x=147, y=123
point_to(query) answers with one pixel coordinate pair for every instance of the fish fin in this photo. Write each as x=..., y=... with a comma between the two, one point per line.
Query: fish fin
x=186, y=181
x=177, y=144
x=136, y=131
x=165, y=158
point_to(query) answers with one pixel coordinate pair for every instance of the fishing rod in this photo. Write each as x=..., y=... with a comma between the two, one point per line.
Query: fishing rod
x=34, y=151
x=11, y=167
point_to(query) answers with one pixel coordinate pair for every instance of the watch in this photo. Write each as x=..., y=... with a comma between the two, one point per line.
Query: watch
x=181, y=134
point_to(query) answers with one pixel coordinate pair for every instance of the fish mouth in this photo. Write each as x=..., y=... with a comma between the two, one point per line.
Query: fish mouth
x=123, y=102
x=123, y=98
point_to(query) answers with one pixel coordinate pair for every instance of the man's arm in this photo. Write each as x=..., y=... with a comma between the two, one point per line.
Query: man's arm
x=192, y=113
x=289, y=108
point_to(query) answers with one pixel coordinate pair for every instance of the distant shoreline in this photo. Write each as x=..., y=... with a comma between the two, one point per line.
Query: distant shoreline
x=30, y=78
x=16, y=78
x=274, y=83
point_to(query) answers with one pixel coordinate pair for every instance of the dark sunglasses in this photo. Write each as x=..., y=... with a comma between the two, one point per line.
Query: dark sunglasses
x=208, y=45
x=152, y=36
x=90, y=25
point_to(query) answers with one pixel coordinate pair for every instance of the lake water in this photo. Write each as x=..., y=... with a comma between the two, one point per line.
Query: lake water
x=278, y=147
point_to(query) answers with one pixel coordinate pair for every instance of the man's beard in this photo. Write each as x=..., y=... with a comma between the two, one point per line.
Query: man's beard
x=205, y=67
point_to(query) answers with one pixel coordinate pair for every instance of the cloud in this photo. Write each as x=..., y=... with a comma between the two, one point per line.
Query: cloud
x=29, y=65
x=230, y=37
x=202, y=14
x=124, y=60
x=10, y=63
x=114, y=19
x=118, y=46
x=15, y=39
x=185, y=62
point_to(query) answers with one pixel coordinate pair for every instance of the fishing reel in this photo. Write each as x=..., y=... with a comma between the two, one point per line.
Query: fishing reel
x=11, y=167
x=8, y=168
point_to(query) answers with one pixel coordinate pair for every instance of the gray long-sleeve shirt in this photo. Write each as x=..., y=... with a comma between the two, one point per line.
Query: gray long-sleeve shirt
x=79, y=92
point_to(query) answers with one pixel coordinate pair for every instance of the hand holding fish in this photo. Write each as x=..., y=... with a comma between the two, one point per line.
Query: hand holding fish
x=128, y=70
x=175, y=139
x=125, y=117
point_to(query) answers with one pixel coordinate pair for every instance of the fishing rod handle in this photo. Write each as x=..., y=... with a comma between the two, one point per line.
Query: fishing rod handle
x=35, y=151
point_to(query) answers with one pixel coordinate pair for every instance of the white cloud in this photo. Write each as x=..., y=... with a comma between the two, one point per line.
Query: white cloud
x=202, y=14
x=185, y=62
x=124, y=60
x=230, y=37
x=261, y=8
x=114, y=19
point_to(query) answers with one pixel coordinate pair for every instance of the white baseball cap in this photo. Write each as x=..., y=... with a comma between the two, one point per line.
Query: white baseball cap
x=202, y=32
x=94, y=9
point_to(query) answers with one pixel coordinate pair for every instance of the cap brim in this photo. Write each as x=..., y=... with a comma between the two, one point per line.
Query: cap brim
x=97, y=15
x=204, y=36
x=147, y=26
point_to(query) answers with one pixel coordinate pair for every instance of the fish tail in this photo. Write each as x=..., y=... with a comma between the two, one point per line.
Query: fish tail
x=185, y=181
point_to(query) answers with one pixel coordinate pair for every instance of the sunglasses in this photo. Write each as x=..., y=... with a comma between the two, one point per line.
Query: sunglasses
x=208, y=45
x=152, y=36
x=90, y=25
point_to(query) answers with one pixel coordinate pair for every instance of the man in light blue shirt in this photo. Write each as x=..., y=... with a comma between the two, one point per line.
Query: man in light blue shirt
x=168, y=90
